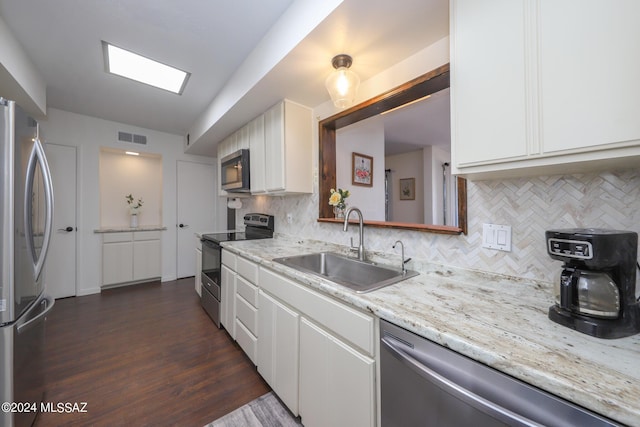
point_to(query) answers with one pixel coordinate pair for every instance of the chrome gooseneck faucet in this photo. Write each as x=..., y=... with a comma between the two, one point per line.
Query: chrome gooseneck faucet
x=402, y=260
x=360, y=247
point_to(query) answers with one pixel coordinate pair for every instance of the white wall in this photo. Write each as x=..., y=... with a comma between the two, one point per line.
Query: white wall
x=19, y=79
x=89, y=134
x=403, y=166
x=365, y=137
x=121, y=175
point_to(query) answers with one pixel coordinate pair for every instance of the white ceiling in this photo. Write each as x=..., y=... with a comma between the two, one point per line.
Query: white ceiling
x=210, y=39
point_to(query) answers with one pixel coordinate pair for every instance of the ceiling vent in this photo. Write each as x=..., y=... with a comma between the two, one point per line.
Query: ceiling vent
x=132, y=137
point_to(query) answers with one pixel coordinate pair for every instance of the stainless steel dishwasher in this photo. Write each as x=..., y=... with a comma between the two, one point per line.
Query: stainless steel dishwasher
x=425, y=384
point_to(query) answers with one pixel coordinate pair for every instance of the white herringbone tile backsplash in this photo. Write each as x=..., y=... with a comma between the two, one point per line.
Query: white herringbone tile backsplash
x=529, y=205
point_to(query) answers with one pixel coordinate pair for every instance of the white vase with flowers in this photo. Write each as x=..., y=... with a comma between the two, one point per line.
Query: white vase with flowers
x=134, y=209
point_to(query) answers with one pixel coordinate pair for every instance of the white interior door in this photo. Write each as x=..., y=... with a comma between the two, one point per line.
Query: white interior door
x=60, y=268
x=196, y=211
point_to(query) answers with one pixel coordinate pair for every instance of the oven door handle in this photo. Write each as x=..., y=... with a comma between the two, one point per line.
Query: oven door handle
x=449, y=386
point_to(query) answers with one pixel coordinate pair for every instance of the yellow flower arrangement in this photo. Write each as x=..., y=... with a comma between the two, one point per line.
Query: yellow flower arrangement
x=337, y=198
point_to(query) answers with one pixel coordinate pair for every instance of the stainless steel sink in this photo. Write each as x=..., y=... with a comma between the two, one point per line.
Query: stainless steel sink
x=356, y=275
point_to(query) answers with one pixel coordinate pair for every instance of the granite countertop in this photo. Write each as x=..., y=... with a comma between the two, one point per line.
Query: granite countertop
x=497, y=320
x=130, y=229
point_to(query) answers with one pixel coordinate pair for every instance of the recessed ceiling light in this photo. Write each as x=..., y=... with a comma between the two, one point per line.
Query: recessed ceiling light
x=132, y=153
x=139, y=68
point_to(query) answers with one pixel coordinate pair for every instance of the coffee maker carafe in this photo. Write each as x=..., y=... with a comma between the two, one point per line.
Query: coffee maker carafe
x=596, y=291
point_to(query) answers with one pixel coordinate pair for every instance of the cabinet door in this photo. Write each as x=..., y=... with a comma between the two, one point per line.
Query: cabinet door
x=336, y=382
x=278, y=348
x=243, y=137
x=589, y=73
x=228, y=300
x=274, y=148
x=117, y=263
x=146, y=259
x=224, y=149
x=257, y=160
x=488, y=75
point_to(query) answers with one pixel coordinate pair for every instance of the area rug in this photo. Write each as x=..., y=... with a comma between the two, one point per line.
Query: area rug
x=265, y=411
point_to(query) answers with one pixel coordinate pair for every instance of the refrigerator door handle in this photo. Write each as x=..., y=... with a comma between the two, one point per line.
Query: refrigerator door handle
x=48, y=302
x=38, y=157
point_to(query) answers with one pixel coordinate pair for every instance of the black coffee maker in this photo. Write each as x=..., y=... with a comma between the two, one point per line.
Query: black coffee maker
x=596, y=291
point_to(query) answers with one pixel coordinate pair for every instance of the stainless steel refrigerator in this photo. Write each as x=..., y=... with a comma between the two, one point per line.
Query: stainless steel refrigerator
x=26, y=218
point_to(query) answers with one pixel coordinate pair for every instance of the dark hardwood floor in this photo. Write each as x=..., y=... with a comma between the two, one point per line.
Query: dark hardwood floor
x=143, y=355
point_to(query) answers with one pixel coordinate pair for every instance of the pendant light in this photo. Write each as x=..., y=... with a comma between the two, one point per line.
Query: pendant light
x=342, y=83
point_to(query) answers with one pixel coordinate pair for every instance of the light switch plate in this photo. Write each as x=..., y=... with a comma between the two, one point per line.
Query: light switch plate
x=496, y=237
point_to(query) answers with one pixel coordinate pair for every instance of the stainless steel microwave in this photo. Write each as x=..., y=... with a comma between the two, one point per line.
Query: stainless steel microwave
x=234, y=172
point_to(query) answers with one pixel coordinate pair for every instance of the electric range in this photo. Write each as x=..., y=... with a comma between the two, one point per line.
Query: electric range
x=257, y=226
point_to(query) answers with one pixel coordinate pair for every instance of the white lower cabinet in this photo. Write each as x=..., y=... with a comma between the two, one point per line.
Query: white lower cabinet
x=131, y=257
x=278, y=348
x=228, y=280
x=117, y=262
x=337, y=383
x=316, y=353
x=335, y=374
x=247, y=316
x=146, y=259
x=247, y=341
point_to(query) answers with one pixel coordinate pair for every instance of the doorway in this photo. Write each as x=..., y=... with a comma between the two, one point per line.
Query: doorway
x=60, y=269
x=196, y=211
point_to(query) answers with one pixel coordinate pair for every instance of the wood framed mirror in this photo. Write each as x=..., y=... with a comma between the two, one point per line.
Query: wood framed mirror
x=430, y=83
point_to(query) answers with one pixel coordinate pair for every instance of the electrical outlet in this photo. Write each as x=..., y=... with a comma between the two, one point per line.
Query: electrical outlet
x=289, y=218
x=496, y=237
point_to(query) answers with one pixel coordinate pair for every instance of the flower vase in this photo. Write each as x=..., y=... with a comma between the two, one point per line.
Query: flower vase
x=134, y=221
x=338, y=211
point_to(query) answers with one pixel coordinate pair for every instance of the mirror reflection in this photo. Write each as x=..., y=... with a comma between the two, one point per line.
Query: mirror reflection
x=401, y=197
x=410, y=151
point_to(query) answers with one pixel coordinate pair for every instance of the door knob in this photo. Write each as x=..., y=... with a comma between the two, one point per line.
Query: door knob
x=67, y=229
x=183, y=226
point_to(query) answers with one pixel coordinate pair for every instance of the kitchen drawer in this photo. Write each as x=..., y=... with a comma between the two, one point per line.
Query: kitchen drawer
x=247, y=341
x=248, y=270
x=229, y=259
x=247, y=314
x=117, y=237
x=355, y=326
x=248, y=291
x=146, y=235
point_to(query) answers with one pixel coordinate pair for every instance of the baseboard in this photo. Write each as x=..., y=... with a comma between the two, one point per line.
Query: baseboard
x=90, y=291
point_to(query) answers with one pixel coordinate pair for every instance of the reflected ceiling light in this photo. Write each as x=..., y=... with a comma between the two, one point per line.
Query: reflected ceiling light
x=144, y=70
x=424, y=98
x=343, y=83
x=132, y=153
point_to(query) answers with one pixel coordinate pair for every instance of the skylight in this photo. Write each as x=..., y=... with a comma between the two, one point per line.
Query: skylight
x=136, y=67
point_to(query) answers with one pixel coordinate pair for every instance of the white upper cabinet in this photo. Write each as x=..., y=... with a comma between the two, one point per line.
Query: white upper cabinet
x=279, y=143
x=257, y=155
x=288, y=158
x=487, y=81
x=590, y=73
x=544, y=86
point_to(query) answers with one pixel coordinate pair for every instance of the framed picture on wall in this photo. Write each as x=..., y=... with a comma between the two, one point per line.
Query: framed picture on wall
x=408, y=189
x=361, y=170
